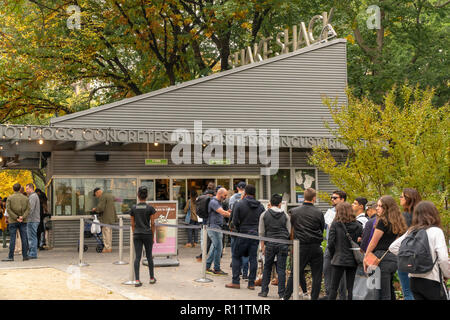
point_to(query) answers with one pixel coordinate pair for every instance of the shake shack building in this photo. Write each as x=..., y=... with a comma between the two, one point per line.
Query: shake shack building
x=168, y=140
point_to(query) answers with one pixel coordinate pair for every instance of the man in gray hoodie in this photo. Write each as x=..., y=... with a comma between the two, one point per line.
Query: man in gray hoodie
x=274, y=223
x=34, y=218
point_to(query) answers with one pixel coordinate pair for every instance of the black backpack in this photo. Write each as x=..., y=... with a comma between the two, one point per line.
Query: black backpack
x=201, y=206
x=414, y=255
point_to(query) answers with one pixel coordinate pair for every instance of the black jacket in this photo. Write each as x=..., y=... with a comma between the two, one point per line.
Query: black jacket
x=246, y=215
x=339, y=245
x=308, y=223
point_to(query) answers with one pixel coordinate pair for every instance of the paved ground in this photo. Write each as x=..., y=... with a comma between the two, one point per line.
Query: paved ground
x=103, y=280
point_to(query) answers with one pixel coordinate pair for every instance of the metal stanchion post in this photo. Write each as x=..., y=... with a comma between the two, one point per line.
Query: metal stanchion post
x=121, y=262
x=131, y=279
x=204, y=256
x=296, y=269
x=81, y=245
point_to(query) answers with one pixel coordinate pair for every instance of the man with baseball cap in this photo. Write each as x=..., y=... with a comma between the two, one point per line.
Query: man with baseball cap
x=371, y=211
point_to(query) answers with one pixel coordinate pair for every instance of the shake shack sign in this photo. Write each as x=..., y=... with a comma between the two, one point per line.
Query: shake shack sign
x=237, y=137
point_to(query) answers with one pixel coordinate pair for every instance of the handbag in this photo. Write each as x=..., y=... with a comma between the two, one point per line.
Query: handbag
x=362, y=291
x=373, y=260
x=357, y=253
x=95, y=228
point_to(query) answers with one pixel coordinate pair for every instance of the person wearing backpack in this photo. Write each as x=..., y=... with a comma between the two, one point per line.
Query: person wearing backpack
x=408, y=200
x=343, y=226
x=201, y=206
x=423, y=251
x=390, y=225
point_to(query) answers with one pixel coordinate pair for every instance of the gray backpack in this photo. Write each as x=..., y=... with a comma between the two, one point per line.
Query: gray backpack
x=414, y=255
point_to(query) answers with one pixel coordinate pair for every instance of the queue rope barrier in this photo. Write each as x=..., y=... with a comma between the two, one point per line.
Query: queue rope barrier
x=296, y=251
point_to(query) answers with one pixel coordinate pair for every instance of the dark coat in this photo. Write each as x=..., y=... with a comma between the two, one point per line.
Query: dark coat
x=339, y=245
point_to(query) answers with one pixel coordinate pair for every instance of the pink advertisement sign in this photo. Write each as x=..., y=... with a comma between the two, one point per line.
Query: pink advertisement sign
x=165, y=238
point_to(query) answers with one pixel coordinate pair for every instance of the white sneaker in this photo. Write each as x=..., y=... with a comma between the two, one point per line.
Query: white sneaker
x=305, y=296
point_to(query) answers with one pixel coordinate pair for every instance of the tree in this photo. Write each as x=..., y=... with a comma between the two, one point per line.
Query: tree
x=402, y=143
x=10, y=177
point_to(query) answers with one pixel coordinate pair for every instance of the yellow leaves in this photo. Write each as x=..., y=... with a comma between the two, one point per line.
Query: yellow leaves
x=9, y=177
x=350, y=39
x=208, y=34
x=246, y=25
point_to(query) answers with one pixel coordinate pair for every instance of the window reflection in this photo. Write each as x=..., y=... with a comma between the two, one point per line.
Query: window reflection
x=74, y=196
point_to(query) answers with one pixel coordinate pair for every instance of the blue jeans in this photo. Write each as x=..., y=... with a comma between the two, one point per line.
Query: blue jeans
x=215, y=251
x=32, y=238
x=23, y=237
x=281, y=252
x=245, y=248
x=193, y=233
x=244, y=260
x=404, y=281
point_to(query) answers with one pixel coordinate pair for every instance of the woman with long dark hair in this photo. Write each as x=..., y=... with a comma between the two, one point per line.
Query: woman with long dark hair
x=143, y=231
x=390, y=225
x=428, y=286
x=342, y=259
x=409, y=199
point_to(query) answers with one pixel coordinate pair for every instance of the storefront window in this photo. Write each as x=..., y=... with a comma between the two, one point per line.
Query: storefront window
x=255, y=182
x=179, y=194
x=150, y=184
x=74, y=196
x=281, y=183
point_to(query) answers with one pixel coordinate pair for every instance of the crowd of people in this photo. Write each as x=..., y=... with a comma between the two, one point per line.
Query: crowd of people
x=377, y=229
x=23, y=215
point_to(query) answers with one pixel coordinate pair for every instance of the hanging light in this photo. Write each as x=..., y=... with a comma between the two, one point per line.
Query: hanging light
x=156, y=144
x=1, y=159
x=41, y=141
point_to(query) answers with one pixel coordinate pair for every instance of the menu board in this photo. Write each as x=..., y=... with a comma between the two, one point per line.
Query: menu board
x=165, y=238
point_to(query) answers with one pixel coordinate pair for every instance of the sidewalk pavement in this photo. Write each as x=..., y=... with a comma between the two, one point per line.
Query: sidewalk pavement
x=173, y=283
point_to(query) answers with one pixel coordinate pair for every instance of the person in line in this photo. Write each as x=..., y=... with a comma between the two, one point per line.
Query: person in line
x=215, y=220
x=428, y=286
x=390, y=225
x=43, y=212
x=337, y=196
x=3, y=220
x=143, y=227
x=210, y=190
x=274, y=223
x=191, y=215
x=34, y=219
x=18, y=208
x=107, y=215
x=342, y=259
x=308, y=224
x=408, y=201
x=246, y=221
x=371, y=211
x=233, y=200
x=359, y=210
x=210, y=193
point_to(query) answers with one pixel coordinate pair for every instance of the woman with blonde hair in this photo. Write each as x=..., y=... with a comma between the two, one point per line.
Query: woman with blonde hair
x=344, y=226
x=390, y=225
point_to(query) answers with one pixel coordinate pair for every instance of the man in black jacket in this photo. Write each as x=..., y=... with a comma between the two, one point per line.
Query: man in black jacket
x=246, y=220
x=308, y=224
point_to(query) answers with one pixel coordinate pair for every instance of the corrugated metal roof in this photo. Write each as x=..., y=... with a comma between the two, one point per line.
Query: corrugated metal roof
x=283, y=92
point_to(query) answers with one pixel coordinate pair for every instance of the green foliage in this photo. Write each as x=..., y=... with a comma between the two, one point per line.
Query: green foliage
x=402, y=143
